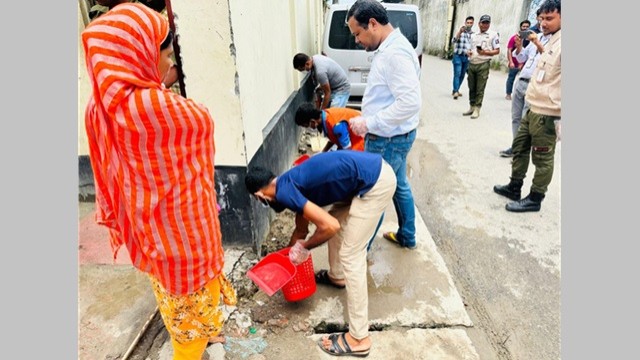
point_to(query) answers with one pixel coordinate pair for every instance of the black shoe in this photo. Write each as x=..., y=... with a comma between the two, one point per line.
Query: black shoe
x=506, y=153
x=530, y=203
x=511, y=190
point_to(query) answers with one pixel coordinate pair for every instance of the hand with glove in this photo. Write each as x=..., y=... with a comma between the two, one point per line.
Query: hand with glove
x=358, y=125
x=298, y=253
x=558, y=129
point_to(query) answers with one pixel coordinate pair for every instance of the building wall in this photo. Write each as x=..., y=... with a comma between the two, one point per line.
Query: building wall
x=237, y=60
x=435, y=26
x=83, y=90
x=209, y=64
x=505, y=19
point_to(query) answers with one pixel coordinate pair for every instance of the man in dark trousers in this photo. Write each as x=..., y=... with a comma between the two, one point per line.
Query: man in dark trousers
x=484, y=45
x=540, y=127
x=357, y=186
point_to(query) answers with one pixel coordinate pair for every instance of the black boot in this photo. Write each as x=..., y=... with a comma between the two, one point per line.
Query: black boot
x=530, y=203
x=511, y=190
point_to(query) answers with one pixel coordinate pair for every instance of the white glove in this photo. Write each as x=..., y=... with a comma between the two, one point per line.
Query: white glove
x=358, y=126
x=558, y=129
x=298, y=253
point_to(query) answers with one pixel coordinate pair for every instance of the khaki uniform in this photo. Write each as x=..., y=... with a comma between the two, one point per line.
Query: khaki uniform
x=479, y=65
x=537, y=132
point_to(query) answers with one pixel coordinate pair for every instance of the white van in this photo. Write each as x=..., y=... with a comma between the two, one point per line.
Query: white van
x=340, y=45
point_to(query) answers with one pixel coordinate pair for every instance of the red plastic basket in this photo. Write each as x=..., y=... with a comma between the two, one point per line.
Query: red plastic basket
x=301, y=159
x=272, y=273
x=303, y=283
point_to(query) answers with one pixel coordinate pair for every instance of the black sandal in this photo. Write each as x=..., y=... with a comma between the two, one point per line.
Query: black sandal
x=338, y=350
x=322, y=277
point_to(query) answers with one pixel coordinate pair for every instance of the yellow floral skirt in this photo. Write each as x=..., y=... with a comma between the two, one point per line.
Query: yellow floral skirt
x=194, y=317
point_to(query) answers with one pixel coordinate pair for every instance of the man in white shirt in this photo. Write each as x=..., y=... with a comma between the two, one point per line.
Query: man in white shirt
x=390, y=104
x=528, y=56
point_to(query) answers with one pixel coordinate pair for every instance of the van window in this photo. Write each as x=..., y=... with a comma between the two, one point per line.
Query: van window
x=340, y=37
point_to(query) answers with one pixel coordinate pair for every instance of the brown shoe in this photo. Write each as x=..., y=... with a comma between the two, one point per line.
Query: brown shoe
x=455, y=96
x=459, y=94
x=508, y=97
x=476, y=112
x=469, y=112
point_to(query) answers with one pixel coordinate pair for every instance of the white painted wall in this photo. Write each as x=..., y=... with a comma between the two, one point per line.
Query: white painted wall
x=237, y=59
x=205, y=38
x=84, y=90
x=267, y=34
x=308, y=25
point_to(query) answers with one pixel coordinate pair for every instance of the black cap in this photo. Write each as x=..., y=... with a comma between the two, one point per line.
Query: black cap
x=485, y=18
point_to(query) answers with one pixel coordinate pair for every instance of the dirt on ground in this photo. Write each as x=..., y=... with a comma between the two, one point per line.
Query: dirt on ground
x=253, y=316
x=280, y=232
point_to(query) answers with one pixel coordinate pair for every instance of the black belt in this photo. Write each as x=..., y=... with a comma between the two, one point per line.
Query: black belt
x=525, y=80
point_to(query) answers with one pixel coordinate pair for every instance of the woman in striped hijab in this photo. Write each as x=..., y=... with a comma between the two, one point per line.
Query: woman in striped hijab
x=152, y=154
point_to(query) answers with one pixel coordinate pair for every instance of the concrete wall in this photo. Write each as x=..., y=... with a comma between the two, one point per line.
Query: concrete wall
x=83, y=90
x=277, y=154
x=209, y=65
x=436, y=15
x=237, y=60
x=435, y=26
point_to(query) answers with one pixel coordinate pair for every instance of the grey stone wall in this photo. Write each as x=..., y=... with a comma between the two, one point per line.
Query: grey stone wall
x=505, y=19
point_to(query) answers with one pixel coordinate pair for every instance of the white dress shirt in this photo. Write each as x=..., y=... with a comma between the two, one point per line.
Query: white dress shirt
x=529, y=56
x=392, y=99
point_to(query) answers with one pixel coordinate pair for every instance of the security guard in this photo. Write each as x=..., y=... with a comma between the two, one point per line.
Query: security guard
x=540, y=127
x=484, y=45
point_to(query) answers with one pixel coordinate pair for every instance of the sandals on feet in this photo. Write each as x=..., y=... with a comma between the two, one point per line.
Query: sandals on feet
x=220, y=339
x=391, y=236
x=322, y=277
x=338, y=350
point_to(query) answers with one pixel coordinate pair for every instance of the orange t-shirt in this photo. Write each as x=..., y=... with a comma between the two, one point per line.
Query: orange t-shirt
x=335, y=116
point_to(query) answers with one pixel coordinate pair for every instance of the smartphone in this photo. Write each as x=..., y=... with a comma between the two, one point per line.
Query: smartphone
x=524, y=34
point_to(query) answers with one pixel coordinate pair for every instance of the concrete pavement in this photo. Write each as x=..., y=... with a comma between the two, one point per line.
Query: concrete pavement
x=412, y=301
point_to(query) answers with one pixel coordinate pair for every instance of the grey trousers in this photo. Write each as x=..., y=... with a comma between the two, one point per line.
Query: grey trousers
x=519, y=106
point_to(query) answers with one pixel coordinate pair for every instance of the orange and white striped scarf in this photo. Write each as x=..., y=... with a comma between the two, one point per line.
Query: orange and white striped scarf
x=152, y=154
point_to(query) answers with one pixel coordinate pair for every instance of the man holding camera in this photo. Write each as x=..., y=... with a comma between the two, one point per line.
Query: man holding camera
x=484, y=45
x=540, y=127
x=461, y=48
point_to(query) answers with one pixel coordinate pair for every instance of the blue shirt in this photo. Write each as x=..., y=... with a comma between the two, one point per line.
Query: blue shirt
x=327, y=178
x=340, y=130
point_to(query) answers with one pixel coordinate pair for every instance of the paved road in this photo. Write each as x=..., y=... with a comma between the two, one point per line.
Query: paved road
x=505, y=265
